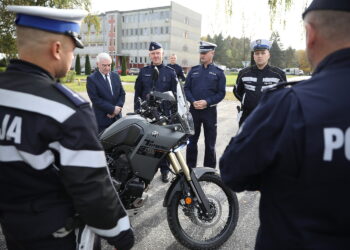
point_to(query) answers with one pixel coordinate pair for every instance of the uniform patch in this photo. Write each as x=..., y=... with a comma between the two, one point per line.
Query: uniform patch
x=73, y=96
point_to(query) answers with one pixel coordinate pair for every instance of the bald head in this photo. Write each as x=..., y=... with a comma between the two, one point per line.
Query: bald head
x=33, y=40
x=326, y=31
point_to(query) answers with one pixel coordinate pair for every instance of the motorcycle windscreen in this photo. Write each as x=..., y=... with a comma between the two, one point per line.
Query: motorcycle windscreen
x=183, y=110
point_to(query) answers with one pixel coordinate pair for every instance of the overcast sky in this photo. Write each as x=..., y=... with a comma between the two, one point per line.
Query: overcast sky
x=250, y=18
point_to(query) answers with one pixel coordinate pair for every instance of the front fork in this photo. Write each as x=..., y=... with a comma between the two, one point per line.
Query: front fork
x=178, y=164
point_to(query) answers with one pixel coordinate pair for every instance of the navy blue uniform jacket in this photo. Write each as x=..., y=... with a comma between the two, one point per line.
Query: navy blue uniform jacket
x=205, y=84
x=167, y=81
x=294, y=148
x=101, y=97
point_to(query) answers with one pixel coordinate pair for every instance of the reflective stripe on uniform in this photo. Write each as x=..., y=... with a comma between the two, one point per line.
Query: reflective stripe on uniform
x=249, y=87
x=38, y=162
x=271, y=79
x=122, y=225
x=68, y=157
x=32, y=103
x=267, y=87
x=80, y=158
x=249, y=79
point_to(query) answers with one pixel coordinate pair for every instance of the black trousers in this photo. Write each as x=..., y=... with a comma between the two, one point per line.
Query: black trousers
x=207, y=117
x=244, y=116
x=47, y=243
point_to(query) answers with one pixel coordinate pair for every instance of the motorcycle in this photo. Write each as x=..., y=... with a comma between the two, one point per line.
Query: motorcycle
x=202, y=212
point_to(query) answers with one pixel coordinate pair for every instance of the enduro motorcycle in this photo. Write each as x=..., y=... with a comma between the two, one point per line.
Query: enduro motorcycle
x=202, y=212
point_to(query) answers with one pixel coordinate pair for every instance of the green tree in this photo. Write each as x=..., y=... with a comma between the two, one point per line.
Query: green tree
x=113, y=65
x=276, y=58
x=87, y=65
x=123, y=66
x=77, y=65
x=7, y=27
x=290, y=59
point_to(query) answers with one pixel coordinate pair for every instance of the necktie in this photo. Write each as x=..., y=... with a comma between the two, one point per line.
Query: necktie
x=110, y=85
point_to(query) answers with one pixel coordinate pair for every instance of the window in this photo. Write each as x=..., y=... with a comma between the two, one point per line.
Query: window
x=140, y=59
x=161, y=30
x=167, y=30
x=132, y=32
x=145, y=59
x=187, y=21
x=186, y=34
x=136, y=32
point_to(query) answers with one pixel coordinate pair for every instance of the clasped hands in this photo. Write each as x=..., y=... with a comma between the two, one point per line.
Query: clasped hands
x=117, y=110
x=201, y=104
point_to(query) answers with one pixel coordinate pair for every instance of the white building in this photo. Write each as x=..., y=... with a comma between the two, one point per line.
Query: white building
x=128, y=34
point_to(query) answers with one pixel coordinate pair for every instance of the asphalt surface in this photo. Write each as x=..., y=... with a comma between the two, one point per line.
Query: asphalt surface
x=151, y=226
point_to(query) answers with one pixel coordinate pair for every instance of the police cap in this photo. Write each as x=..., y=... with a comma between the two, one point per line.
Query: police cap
x=339, y=5
x=63, y=21
x=154, y=46
x=206, y=46
x=260, y=44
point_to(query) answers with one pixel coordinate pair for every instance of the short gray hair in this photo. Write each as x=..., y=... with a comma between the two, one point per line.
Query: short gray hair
x=103, y=55
x=334, y=25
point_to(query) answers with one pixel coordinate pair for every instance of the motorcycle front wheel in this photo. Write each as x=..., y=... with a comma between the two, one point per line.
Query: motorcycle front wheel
x=192, y=228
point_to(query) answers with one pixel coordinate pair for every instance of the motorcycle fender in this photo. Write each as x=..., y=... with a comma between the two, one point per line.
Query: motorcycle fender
x=176, y=185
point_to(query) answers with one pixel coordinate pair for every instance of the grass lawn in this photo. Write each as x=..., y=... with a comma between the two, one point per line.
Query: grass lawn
x=80, y=84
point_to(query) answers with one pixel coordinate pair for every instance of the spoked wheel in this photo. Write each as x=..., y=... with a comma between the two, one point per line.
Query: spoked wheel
x=195, y=230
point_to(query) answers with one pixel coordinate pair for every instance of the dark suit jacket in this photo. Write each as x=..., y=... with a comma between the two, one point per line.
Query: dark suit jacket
x=103, y=102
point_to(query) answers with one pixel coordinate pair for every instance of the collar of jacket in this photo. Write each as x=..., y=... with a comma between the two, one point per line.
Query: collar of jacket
x=209, y=65
x=265, y=68
x=333, y=59
x=24, y=66
x=159, y=66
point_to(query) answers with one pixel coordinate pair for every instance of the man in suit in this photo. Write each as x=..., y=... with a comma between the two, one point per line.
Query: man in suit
x=106, y=92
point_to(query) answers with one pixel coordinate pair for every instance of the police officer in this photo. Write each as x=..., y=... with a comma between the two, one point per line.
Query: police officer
x=52, y=167
x=253, y=80
x=295, y=146
x=178, y=69
x=205, y=87
x=167, y=81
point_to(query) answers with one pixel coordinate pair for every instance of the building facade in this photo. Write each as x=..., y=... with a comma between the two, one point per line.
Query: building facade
x=128, y=34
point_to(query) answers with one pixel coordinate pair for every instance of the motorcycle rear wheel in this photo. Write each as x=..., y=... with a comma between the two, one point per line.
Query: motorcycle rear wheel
x=196, y=231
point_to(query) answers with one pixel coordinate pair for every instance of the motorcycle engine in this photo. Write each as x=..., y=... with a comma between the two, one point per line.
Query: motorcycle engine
x=129, y=186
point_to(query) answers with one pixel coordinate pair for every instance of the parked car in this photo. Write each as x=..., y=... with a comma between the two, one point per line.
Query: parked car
x=134, y=71
x=294, y=71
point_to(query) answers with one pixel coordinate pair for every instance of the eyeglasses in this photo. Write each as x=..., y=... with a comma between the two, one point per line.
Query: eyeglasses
x=106, y=65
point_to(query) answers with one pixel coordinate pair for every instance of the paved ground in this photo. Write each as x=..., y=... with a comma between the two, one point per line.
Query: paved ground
x=151, y=227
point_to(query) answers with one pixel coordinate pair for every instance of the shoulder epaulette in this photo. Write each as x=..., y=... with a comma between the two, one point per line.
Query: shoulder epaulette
x=282, y=85
x=70, y=94
x=168, y=67
x=217, y=67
